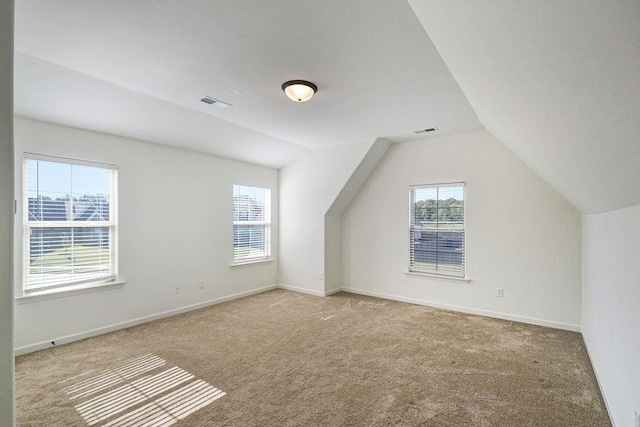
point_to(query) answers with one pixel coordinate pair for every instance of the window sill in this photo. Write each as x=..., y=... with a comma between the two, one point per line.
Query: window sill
x=438, y=276
x=69, y=291
x=250, y=263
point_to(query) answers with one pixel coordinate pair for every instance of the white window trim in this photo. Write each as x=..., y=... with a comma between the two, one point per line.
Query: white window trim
x=80, y=286
x=69, y=291
x=250, y=263
x=419, y=274
x=430, y=274
x=239, y=263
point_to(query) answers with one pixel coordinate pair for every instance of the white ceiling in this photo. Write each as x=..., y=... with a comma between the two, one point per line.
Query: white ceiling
x=557, y=82
x=139, y=69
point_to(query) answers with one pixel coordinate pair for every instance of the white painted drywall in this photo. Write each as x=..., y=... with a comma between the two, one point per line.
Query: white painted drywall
x=522, y=236
x=6, y=214
x=308, y=188
x=333, y=218
x=332, y=253
x=556, y=82
x=175, y=227
x=611, y=307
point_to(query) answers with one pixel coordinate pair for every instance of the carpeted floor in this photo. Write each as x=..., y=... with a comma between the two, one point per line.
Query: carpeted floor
x=286, y=359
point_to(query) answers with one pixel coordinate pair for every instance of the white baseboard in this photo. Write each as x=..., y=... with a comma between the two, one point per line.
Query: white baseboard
x=127, y=324
x=487, y=313
x=332, y=291
x=302, y=290
x=598, y=380
x=122, y=325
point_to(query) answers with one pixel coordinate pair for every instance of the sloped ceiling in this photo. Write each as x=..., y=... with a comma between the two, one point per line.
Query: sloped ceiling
x=558, y=82
x=139, y=69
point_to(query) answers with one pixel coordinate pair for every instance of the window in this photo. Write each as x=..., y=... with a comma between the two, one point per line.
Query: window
x=437, y=230
x=69, y=222
x=251, y=223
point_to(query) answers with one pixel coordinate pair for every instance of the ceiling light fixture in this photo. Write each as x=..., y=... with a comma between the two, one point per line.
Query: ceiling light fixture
x=299, y=90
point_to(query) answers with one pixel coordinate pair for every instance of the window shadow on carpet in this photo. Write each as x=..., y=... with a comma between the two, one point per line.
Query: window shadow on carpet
x=140, y=391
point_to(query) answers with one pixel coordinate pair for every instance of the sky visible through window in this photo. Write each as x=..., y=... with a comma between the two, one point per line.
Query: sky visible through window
x=444, y=193
x=255, y=193
x=57, y=180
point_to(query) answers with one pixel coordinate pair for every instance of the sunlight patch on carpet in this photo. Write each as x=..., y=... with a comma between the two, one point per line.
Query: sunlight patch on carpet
x=116, y=375
x=171, y=408
x=140, y=391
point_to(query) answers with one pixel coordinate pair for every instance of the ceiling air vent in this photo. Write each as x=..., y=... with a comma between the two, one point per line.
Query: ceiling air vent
x=419, y=131
x=215, y=102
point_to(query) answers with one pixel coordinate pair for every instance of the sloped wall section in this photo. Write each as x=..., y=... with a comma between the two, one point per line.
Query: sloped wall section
x=558, y=85
x=522, y=236
x=314, y=190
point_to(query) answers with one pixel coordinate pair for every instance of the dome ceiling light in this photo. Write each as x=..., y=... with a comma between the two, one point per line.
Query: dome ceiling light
x=299, y=90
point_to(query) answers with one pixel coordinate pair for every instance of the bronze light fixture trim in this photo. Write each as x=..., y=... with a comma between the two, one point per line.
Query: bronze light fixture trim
x=299, y=90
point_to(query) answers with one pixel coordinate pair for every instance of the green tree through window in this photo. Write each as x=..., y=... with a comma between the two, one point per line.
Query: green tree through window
x=437, y=229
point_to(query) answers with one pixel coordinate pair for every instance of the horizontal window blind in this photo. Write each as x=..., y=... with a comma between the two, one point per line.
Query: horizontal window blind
x=251, y=223
x=437, y=229
x=69, y=222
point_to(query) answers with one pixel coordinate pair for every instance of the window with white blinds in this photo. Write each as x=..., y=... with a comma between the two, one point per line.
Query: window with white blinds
x=437, y=229
x=69, y=222
x=251, y=223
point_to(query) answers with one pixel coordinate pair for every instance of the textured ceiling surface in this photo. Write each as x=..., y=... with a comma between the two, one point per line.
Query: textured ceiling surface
x=556, y=82
x=139, y=69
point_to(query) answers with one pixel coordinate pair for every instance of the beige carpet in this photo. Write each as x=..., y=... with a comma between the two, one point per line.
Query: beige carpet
x=286, y=359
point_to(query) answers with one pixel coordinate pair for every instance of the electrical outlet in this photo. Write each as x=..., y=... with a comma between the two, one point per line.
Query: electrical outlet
x=499, y=292
x=176, y=289
x=320, y=276
x=201, y=284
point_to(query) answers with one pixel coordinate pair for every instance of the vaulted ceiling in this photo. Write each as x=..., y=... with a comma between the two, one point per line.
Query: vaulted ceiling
x=557, y=82
x=140, y=68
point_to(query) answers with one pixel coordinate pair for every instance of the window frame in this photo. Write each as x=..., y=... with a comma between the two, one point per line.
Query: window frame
x=266, y=223
x=442, y=274
x=55, y=287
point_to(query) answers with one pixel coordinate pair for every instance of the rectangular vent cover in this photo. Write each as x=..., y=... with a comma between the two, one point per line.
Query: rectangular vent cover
x=215, y=102
x=425, y=130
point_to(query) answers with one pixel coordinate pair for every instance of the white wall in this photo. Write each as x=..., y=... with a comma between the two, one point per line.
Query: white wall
x=332, y=253
x=175, y=227
x=6, y=214
x=308, y=188
x=611, y=307
x=521, y=235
